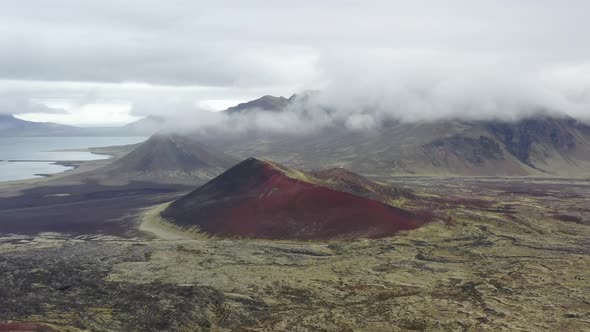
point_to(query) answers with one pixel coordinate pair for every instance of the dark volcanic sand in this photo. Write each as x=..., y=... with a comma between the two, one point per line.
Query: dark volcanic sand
x=86, y=209
x=55, y=194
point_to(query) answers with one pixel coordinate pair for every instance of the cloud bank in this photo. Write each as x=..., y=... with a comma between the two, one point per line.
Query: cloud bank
x=372, y=60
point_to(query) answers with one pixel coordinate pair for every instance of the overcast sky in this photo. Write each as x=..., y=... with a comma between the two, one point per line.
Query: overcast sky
x=110, y=61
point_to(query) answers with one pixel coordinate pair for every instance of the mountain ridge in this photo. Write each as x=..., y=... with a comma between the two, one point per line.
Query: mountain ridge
x=166, y=158
x=11, y=126
x=265, y=103
x=541, y=144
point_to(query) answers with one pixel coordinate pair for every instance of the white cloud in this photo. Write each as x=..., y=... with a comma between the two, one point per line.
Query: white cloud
x=412, y=59
x=87, y=115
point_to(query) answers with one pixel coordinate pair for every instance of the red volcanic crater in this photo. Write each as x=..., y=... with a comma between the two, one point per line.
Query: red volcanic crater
x=260, y=199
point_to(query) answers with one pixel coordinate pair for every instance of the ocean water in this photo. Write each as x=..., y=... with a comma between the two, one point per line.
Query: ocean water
x=28, y=157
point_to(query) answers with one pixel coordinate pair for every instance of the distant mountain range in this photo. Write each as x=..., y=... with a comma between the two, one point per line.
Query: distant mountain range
x=535, y=146
x=538, y=145
x=11, y=126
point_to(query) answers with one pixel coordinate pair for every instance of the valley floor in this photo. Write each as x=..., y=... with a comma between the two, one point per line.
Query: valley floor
x=503, y=255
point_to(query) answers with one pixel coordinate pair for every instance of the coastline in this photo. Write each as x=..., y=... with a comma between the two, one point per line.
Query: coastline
x=13, y=188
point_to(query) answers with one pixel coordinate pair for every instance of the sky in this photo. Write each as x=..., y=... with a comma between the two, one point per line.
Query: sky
x=111, y=62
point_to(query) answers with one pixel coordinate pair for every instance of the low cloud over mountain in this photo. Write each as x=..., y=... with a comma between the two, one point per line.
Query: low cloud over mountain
x=408, y=60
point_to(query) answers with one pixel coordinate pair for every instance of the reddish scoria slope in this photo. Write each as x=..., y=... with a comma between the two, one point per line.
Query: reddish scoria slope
x=260, y=199
x=24, y=327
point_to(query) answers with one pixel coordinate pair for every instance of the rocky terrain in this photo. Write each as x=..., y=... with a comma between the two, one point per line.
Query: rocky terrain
x=66, y=283
x=505, y=255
